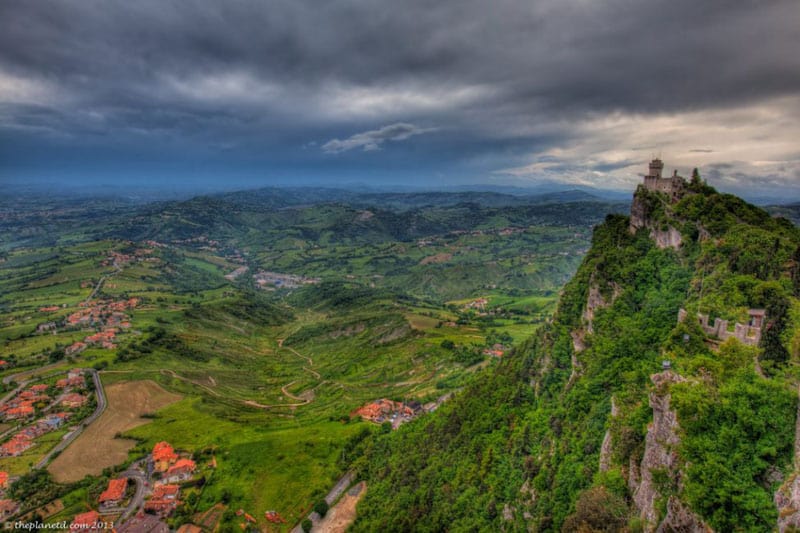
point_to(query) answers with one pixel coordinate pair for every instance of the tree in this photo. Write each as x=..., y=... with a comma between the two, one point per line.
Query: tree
x=321, y=507
x=597, y=509
x=306, y=525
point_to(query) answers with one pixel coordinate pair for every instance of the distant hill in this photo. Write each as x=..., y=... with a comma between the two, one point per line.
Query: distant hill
x=790, y=211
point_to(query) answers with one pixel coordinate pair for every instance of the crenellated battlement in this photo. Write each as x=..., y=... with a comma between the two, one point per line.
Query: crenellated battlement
x=749, y=333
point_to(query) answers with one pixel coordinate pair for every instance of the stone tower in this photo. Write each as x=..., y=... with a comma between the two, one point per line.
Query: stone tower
x=673, y=186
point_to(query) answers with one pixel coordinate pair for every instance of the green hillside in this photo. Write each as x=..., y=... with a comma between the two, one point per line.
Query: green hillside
x=274, y=316
x=585, y=428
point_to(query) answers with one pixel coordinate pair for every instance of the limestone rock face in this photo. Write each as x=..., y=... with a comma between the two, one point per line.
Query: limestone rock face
x=680, y=519
x=660, y=445
x=669, y=238
x=660, y=455
x=664, y=238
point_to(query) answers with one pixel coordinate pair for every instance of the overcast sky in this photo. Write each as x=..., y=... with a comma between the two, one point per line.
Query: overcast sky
x=247, y=93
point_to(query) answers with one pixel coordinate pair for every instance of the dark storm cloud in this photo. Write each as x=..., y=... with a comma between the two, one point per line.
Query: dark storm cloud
x=283, y=73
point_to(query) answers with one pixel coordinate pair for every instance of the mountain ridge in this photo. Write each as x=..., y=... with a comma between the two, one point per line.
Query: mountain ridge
x=586, y=428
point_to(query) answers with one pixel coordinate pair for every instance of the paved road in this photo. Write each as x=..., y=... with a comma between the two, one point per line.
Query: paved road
x=15, y=377
x=137, y=500
x=70, y=437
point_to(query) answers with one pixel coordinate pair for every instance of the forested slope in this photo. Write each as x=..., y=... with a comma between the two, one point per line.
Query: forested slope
x=587, y=428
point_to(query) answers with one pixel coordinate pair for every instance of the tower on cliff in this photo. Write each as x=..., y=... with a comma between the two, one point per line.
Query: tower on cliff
x=673, y=186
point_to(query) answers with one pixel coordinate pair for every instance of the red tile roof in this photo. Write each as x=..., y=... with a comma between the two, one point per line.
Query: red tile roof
x=115, y=491
x=86, y=519
x=166, y=491
x=163, y=451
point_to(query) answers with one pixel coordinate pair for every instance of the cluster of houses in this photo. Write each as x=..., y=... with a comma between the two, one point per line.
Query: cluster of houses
x=384, y=410
x=26, y=403
x=282, y=281
x=478, y=304
x=110, y=316
x=173, y=469
x=24, y=439
x=23, y=404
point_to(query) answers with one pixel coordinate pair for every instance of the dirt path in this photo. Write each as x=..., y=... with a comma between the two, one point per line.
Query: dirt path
x=285, y=391
x=313, y=372
x=298, y=354
x=341, y=515
x=168, y=372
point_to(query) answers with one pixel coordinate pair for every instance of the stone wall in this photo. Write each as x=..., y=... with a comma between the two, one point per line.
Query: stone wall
x=745, y=333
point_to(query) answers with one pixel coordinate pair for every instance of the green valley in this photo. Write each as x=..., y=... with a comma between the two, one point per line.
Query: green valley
x=271, y=322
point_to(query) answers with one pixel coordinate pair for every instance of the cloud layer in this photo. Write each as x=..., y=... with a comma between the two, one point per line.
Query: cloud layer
x=528, y=90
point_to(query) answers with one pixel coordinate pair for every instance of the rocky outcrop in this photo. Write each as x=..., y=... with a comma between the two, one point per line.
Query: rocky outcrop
x=680, y=519
x=605, y=452
x=607, y=448
x=596, y=301
x=669, y=238
x=640, y=218
x=661, y=457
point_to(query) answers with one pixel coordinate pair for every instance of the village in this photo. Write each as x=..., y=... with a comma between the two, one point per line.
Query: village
x=34, y=411
x=276, y=280
x=396, y=413
x=140, y=498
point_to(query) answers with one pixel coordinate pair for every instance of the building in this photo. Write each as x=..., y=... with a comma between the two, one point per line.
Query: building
x=75, y=348
x=76, y=381
x=114, y=494
x=164, y=500
x=74, y=400
x=674, y=186
x=3, y=480
x=89, y=521
x=163, y=456
x=182, y=470
x=23, y=411
x=8, y=508
x=16, y=446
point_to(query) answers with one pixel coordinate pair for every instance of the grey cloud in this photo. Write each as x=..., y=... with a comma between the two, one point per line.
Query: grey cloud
x=494, y=78
x=373, y=139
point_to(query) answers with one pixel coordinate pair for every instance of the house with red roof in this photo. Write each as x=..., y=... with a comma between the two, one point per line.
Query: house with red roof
x=114, y=494
x=180, y=471
x=164, y=500
x=86, y=522
x=163, y=456
x=40, y=388
x=16, y=446
x=3, y=480
x=22, y=411
x=75, y=347
x=74, y=400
